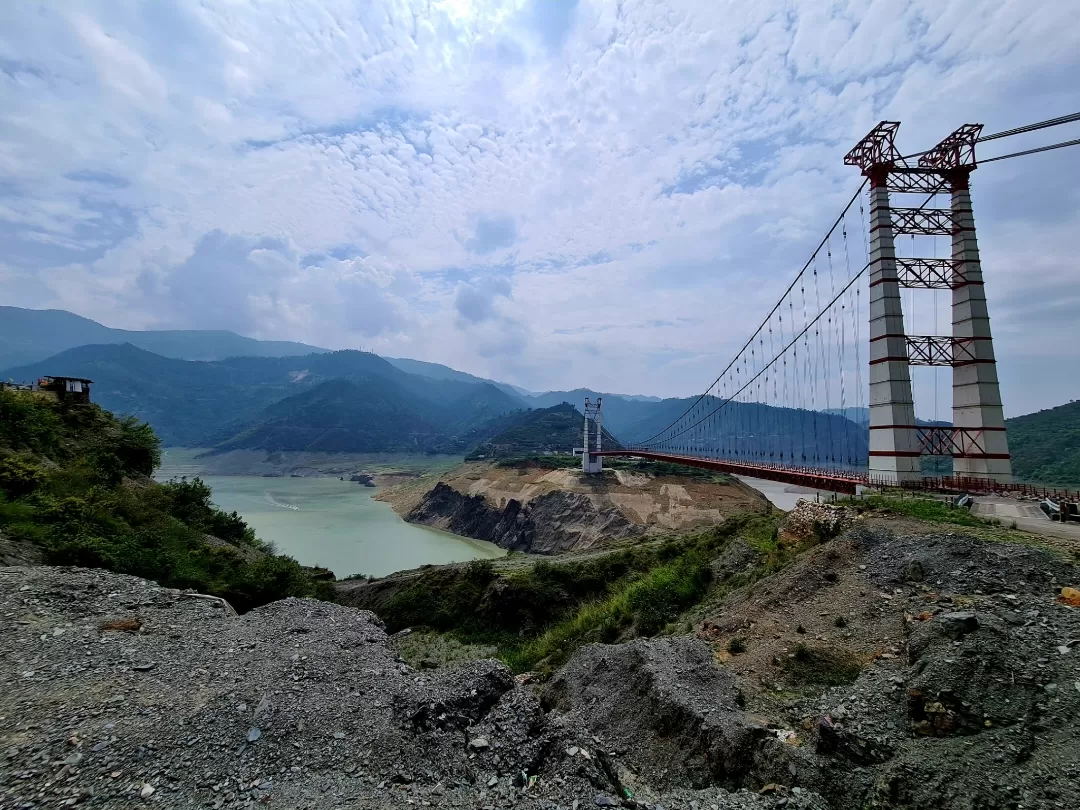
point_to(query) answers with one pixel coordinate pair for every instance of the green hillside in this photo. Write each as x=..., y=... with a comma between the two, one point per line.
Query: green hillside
x=437, y=371
x=199, y=404
x=1045, y=446
x=75, y=490
x=547, y=430
x=355, y=416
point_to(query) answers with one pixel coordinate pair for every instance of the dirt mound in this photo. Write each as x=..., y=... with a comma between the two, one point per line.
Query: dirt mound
x=906, y=661
x=896, y=666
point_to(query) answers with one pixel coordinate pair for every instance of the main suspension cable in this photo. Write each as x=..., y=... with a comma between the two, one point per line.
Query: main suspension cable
x=783, y=351
x=780, y=301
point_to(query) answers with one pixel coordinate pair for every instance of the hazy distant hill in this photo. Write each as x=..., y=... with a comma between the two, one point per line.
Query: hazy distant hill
x=194, y=404
x=626, y=417
x=29, y=335
x=437, y=371
x=859, y=415
x=369, y=415
x=184, y=401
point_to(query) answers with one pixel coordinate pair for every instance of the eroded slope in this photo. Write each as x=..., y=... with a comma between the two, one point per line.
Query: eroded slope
x=546, y=511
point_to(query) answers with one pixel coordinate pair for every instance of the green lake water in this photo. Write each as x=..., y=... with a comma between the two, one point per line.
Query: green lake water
x=337, y=524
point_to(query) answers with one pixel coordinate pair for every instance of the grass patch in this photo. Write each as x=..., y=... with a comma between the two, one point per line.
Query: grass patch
x=928, y=509
x=823, y=666
x=646, y=604
x=431, y=650
x=653, y=468
x=987, y=529
x=538, y=615
x=539, y=462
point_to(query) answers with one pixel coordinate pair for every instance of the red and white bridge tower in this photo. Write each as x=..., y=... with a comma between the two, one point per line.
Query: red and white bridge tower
x=976, y=440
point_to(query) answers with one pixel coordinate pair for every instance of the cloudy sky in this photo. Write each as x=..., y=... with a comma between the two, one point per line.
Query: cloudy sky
x=553, y=193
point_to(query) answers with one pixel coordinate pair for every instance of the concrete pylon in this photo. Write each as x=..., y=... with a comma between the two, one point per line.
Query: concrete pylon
x=894, y=444
x=590, y=462
x=979, y=423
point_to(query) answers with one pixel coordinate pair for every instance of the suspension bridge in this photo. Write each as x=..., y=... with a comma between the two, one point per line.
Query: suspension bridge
x=821, y=394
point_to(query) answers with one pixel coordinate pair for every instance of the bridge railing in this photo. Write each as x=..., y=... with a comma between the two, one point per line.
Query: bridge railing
x=982, y=485
x=816, y=476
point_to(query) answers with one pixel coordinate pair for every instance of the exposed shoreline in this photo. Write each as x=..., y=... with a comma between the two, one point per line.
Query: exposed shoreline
x=548, y=511
x=385, y=469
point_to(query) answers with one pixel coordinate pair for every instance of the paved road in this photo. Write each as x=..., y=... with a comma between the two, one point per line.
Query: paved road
x=1027, y=515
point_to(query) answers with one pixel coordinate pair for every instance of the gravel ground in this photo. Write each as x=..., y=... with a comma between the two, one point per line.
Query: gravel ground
x=969, y=690
x=898, y=666
x=118, y=694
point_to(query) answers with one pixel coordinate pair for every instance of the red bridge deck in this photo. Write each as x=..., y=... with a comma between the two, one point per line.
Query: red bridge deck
x=845, y=481
x=829, y=480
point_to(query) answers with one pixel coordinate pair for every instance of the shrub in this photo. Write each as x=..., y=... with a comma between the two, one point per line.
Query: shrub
x=189, y=501
x=268, y=579
x=19, y=476
x=737, y=645
x=657, y=598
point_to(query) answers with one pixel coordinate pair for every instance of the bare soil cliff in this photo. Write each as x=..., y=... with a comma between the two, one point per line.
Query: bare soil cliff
x=550, y=511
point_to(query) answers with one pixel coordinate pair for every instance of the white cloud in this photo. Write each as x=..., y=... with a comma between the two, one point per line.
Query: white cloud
x=555, y=194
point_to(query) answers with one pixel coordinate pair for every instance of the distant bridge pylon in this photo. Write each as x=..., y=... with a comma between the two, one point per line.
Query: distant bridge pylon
x=591, y=463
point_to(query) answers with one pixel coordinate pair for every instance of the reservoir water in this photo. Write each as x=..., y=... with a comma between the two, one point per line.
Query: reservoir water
x=337, y=524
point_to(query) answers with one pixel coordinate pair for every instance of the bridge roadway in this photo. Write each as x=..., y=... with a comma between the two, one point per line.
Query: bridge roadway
x=845, y=482
x=829, y=480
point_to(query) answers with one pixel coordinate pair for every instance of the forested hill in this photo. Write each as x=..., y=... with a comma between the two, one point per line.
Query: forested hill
x=545, y=430
x=368, y=415
x=75, y=490
x=203, y=404
x=1045, y=446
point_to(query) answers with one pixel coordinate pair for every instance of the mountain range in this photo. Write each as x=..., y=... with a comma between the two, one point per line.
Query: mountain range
x=222, y=390
x=278, y=401
x=30, y=335
x=359, y=402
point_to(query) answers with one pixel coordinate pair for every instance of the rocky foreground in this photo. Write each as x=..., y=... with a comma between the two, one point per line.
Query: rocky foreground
x=118, y=694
